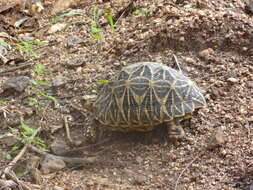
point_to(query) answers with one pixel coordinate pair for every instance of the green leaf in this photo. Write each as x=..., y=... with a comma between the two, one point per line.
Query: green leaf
x=42, y=83
x=68, y=14
x=145, y=10
x=110, y=19
x=14, y=148
x=95, y=29
x=38, y=42
x=136, y=12
x=2, y=42
x=39, y=69
x=103, y=81
x=27, y=130
x=2, y=102
x=142, y=10
x=96, y=36
x=47, y=96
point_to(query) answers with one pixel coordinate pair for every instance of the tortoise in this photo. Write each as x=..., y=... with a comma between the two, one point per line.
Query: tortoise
x=144, y=95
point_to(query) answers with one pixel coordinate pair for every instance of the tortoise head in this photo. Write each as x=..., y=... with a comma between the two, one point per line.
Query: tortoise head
x=88, y=102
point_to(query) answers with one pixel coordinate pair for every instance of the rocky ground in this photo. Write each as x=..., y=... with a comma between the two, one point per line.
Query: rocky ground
x=63, y=51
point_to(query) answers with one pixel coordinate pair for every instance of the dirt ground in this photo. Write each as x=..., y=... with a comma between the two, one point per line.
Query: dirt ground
x=213, y=44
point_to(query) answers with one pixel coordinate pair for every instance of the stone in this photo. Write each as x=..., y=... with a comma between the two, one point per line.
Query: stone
x=206, y=53
x=59, y=147
x=217, y=139
x=59, y=81
x=58, y=188
x=19, y=83
x=52, y=164
x=73, y=41
x=249, y=7
x=232, y=80
x=76, y=63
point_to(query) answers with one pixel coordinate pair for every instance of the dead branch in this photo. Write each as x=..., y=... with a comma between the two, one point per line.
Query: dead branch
x=67, y=129
x=22, y=66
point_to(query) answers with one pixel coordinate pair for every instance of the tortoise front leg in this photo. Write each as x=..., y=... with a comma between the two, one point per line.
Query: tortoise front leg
x=90, y=131
x=175, y=130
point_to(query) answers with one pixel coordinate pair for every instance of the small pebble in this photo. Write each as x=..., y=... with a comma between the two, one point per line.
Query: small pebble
x=139, y=159
x=73, y=41
x=218, y=138
x=58, y=188
x=189, y=60
x=249, y=7
x=59, y=81
x=76, y=63
x=206, y=53
x=250, y=119
x=233, y=80
x=56, y=28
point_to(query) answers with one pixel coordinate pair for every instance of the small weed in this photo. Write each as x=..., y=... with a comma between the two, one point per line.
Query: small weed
x=36, y=87
x=41, y=83
x=95, y=31
x=2, y=102
x=35, y=102
x=60, y=17
x=142, y=10
x=14, y=148
x=25, y=134
x=39, y=69
x=47, y=96
x=110, y=19
x=26, y=47
x=97, y=14
x=38, y=42
x=102, y=81
x=3, y=43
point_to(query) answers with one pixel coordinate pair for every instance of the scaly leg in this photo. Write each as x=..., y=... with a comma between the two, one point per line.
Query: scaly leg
x=175, y=130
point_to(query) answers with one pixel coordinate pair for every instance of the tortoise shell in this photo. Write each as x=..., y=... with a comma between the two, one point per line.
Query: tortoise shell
x=144, y=95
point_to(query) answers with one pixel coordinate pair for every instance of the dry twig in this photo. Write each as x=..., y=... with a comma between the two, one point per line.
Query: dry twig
x=178, y=66
x=67, y=129
x=188, y=165
x=22, y=66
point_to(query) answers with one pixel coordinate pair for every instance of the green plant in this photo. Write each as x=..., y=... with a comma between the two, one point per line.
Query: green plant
x=141, y=10
x=97, y=14
x=37, y=88
x=27, y=47
x=2, y=102
x=3, y=43
x=39, y=69
x=35, y=102
x=60, y=17
x=26, y=135
x=110, y=19
x=95, y=31
x=14, y=148
x=102, y=81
